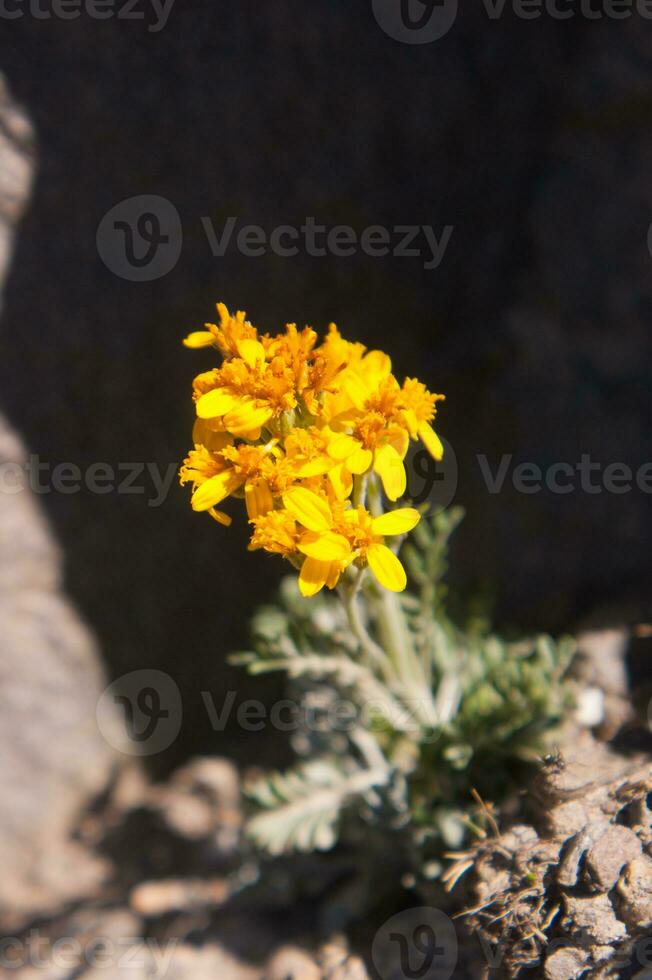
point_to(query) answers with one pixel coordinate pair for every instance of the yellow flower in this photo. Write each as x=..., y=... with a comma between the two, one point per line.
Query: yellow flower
x=286, y=424
x=227, y=337
x=377, y=431
x=217, y=475
x=417, y=407
x=259, y=385
x=200, y=467
x=276, y=532
x=336, y=537
x=373, y=444
x=326, y=370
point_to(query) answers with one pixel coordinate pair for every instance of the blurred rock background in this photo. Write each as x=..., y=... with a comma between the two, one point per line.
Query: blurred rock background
x=54, y=760
x=532, y=138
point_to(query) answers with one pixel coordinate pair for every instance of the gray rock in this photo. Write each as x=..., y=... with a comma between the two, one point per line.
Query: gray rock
x=16, y=154
x=565, y=964
x=53, y=758
x=635, y=893
x=609, y=855
x=202, y=799
x=292, y=963
x=593, y=918
x=100, y=944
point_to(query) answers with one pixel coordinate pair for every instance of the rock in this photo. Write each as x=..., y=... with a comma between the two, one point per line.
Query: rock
x=16, y=171
x=174, y=961
x=201, y=800
x=565, y=964
x=593, y=918
x=601, y=665
x=208, y=963
x=578, y=880
x=337, y=963
x=611, y=852
x=352, y=969
x=157, y=898
x=635, y=893
x=65, y=948
x=54, y=760
x=292, y=963
x=99, y=944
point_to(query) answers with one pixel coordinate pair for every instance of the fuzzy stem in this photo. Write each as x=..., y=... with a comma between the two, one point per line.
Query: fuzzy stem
x=349, y=595
x=397, y=639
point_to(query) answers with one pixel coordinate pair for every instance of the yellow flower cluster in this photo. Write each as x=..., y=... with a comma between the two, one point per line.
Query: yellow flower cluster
x=300, y=430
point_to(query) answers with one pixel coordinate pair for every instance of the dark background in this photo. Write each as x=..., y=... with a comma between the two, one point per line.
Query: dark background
x=532, y=138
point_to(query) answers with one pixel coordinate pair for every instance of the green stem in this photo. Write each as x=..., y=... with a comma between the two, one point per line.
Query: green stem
x=397, y=639
x=349, y=594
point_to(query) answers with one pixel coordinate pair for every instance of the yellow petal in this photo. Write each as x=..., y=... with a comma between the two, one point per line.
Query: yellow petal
x=334, y=574
x=389, y=466
x=246, y=416
x=398, y=521
x=251, y=351
x=360, y=461
x=308, y=509
x=342, y=446
x=213, y=490
x=400, y=439
x=386, y=567
x=214, y=403
x=376, y=366
x=220, y=517
x=411, y=422
x=431, y=440
x=313, y=467
x=326, y=546
x=251, y=435
x=198, y=339
x=204, y=435
x=341, y=481
x=356, y=388
x=258, y=499
x=313, y=576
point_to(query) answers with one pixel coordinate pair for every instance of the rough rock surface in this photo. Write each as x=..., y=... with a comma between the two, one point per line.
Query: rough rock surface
x=168, y=905
x=16, y=155
x=570, y=894
x=573, y=893
x=53, y=757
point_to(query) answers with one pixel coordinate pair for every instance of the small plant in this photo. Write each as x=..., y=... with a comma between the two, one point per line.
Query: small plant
x=407, y=719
